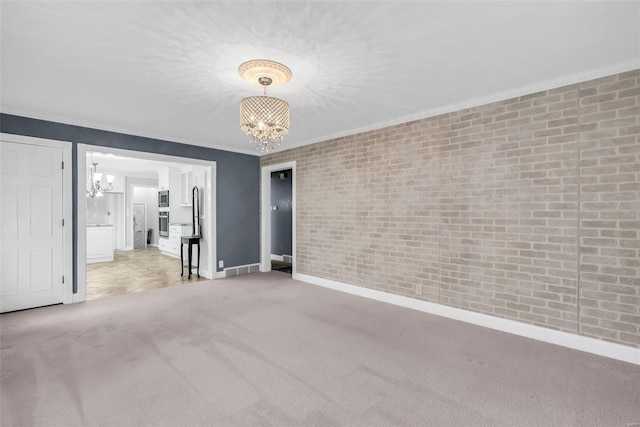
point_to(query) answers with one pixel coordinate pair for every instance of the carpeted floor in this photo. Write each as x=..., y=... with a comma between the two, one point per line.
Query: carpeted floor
x=263, y=349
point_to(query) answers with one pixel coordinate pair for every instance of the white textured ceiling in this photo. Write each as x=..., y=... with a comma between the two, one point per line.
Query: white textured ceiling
x=169, y=69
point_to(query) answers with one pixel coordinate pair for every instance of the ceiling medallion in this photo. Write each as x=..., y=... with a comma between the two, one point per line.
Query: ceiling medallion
x=264, y=119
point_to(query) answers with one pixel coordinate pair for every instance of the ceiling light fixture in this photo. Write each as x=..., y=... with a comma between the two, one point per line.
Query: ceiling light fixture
x=264, y=119
x=94, y=183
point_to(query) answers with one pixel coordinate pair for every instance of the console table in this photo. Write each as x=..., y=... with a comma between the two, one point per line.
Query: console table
x=190, y=241
x=194, y=238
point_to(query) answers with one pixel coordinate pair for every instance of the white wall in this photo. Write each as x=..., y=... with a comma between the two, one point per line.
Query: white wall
x=149, y=196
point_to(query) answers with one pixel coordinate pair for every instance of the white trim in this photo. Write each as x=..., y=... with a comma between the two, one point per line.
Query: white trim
x=128, y=204
x=265, y=214
x=102, y=259
x=277, y=257
x=564, y=339
x=81, y=221
x=475, y=102
x=67, y=204
x=81, y=208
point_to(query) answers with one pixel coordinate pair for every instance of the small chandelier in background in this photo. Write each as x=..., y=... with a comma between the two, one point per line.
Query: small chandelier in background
x=94, y=183
x=264, y=119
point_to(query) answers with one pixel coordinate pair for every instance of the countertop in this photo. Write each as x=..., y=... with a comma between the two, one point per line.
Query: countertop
x=180, y=223
x=99, y=225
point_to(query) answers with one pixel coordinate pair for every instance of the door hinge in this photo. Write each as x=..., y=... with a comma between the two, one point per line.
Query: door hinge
x=63, y=222
x=62, y=165
x=62, y=279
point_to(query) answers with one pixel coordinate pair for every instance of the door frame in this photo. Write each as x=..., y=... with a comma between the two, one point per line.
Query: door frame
x=67, y=204
x=129, y=204
x=265, y=214
x=144, y=205
x=81, y=208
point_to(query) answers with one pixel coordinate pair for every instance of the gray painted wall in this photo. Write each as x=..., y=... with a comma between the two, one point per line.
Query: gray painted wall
x=281, y=218
x=237, y=181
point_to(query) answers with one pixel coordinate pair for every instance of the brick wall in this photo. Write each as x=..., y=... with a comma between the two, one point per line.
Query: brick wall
x=610, y=208
x=526, y=209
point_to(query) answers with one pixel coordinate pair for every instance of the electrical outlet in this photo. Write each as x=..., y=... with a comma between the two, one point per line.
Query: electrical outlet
x=221, y=264
x=418, y=289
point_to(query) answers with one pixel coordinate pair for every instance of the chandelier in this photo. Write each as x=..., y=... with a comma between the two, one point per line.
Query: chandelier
x=94, y=183
x=264, y=119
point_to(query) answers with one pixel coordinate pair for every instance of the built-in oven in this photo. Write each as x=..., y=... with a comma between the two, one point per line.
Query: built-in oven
x=163, y=199
x=163, y=223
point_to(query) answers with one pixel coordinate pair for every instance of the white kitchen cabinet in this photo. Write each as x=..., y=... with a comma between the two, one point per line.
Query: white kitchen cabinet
x=100, y=243
x=163, y=178
x=186, y=185
x=171, y=246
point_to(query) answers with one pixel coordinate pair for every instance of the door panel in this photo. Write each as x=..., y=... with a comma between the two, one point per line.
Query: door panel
x=9, y=272
x=40, y=213
x=32, y=232
x=9, y=211
x=41, y=279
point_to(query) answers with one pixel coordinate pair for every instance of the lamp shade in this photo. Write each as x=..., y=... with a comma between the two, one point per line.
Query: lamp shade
x=266, y=120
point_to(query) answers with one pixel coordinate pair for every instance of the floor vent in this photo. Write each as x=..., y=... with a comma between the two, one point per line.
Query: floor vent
x=238, y=271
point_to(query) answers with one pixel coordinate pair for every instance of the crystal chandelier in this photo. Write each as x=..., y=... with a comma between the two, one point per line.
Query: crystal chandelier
x=264, y=119
x=94, y=183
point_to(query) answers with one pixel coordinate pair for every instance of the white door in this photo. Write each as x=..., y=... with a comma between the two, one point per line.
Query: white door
x=31, y=266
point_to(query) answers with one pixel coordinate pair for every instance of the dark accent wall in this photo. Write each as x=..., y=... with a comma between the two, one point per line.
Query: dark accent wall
x=237, y=180
x=281, y=219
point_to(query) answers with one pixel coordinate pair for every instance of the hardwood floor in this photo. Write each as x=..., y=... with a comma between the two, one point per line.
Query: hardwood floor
x=134, y=271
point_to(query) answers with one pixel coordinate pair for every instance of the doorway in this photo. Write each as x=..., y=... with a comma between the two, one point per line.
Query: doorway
x=276, y=228
x=139, y=226
x=145, y=260
x=281, y=220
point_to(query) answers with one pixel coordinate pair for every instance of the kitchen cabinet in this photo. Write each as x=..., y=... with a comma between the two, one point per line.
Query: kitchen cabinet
x=99, y=243
x=186, y=184
x=171, y=246
x=163, y=178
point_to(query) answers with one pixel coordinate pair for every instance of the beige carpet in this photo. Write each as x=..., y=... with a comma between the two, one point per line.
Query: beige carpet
x=263, y=349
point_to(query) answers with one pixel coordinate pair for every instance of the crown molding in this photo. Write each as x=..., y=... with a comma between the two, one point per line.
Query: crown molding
x=567, y=80
x=291, y=144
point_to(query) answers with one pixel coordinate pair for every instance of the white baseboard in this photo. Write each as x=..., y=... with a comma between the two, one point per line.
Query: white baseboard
x=564, y=339
x=100, y=259
x=277, y=257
